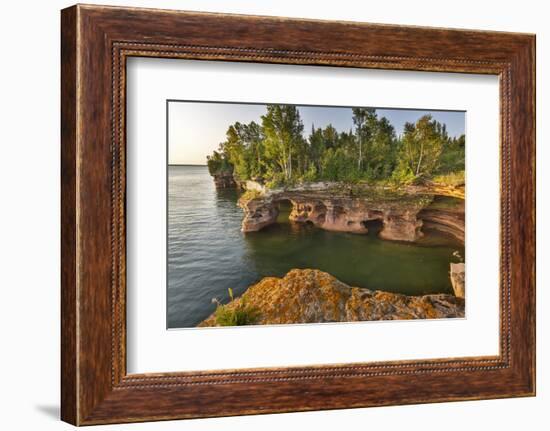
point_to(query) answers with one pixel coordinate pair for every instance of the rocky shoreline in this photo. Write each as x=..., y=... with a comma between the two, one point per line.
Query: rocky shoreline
x=402, y=213
x=224, y=180
x=314, y=296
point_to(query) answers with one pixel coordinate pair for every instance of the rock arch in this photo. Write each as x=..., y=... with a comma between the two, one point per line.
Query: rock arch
x=335, y=214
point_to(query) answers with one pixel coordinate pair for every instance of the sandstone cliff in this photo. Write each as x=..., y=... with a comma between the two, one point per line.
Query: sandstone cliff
x=444, y=215
x=313, y=296
x=403, y=214
x=224, y=180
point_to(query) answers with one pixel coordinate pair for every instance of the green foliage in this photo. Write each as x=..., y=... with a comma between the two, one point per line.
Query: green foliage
x=311, y=174
x=403, y=175
x=239, y=315
x=218, y=163
x=251, y=194
x=453, y=156
x=276, y=180
x=277, y=151
x=284, y=143
x=421, y=147
x=339, y=166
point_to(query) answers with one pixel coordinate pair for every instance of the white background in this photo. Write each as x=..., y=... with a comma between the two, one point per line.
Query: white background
x=151, y=348
x=29, y=215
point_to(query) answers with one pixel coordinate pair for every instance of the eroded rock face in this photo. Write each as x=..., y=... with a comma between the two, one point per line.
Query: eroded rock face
x=457, y=279
x=338, y=213
x=313, y=296
x=224, y=180
x=335, y=214
x=404, y=217
x=258, y=213
x=351, y=215
x=401, y=226
x=448, y=218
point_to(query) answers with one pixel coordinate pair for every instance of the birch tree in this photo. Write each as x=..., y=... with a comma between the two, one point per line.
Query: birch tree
x=282, y=128
x=422, y=144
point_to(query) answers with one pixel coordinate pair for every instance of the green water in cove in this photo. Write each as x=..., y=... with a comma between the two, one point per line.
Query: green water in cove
x=207, y=252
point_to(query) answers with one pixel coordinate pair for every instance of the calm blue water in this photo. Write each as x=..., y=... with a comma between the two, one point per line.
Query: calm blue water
x=207, y=252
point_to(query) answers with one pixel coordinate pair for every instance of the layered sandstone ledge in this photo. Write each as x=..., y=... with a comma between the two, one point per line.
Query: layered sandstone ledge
x=402, y=213
x=313, y=296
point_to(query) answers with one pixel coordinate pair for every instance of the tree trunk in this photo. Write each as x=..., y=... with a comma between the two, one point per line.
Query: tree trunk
x=420, y=159
x=360, y=153
x=289, y=164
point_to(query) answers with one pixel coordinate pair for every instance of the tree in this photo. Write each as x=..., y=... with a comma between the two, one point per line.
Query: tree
x=421, y=147
x=277, y=150
x=283, y=129
x=243, y=149
x=316, y=148
x=250, y=135
x=338, y=165
x=217, y=164
x=381, y=162
x=233, y=148
x=453, y=155
x=363, y=119
x=330, y=137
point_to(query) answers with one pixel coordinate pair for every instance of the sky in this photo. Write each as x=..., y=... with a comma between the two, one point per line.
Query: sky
x=195, y=129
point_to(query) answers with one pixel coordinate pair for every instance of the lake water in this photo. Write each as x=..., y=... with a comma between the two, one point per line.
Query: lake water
x=207, y=252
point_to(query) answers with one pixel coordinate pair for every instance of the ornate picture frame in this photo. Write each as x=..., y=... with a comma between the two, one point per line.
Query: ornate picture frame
x=96, y=41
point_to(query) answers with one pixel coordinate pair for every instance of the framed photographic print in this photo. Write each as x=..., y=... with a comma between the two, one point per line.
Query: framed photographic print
x=322, y=214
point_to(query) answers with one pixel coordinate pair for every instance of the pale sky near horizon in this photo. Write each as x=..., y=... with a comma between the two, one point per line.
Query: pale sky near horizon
x=195, y=129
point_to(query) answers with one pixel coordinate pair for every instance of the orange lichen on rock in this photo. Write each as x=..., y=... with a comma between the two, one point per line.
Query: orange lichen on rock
x=314, y=296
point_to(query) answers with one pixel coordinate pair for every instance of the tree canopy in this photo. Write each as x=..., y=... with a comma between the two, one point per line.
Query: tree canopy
x=278, y=152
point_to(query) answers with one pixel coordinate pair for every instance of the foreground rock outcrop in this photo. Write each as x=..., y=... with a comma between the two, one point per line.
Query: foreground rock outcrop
x=313, y=296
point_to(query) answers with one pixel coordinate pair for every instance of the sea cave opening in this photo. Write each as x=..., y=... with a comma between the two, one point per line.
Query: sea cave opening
x=285, y=208
x=373, y=226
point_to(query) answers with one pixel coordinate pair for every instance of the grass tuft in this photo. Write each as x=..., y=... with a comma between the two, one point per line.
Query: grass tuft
x=451, y=179
x=238, y=315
